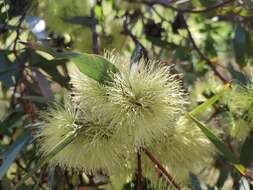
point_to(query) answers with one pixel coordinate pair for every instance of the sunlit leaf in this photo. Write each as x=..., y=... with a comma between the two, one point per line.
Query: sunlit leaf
x=94, y=66
x=14, y=119
x=202, y=107
x=50, y=67
x=244, y=184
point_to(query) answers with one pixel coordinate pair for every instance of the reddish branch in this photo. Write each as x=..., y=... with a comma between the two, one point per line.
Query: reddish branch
x=139, y=171
x=28, y=106
x=203, y=56
x=18, y=30
x=129, y=33
x=160, y=167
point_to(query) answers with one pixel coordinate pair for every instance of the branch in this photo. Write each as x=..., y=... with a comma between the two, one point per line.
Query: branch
x=20, y=21
x=204, y=57
x=163, y=170
x=93, y=27
x=248, y=176
x=128, y=32
x=20, y=65
x=208, y=9
x=139, y=171
x=165, y=3
x=28, y=106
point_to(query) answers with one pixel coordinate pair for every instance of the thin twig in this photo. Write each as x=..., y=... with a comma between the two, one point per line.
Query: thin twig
x=204, y=57
x=20, y=65
x=208, y=9
x=26, y=170
x=163, y=170
x=20, y=21
x=29, y=107
x=139, y=171
x=12, y=103
x=93, y=28
x=132, y=36
x=248, y=176
x=209, y=62
x=6, y=27
x=67, y=179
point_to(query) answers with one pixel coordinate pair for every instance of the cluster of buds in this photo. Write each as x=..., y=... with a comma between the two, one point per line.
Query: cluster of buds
x=142, y=106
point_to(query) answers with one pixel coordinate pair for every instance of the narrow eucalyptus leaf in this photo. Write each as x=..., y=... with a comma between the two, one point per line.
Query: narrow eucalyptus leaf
x=244, y=184
x=202, y=107
x=223, y=149
x=240, y=45
x=196, y=184
x=11, y=153
x=51, y=181
x=94, y=66
x=246, y=157
x=36, y=99
x=57, y=148
x=216, y=141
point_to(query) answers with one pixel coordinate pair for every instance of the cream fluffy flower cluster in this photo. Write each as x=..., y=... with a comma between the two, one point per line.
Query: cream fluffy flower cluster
x=239, y=102
x=140, y=107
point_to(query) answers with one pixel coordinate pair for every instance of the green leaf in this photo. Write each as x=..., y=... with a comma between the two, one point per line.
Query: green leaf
x=7, y=69
x=246, y=156
x=51, y=181
x=37, y=99
x=42, y=83
x=196, y=184
x=81, y=20
x=223, y=149
x=50, y=67
x=10, y=155
x=240, y=45
x=136, y=55
x=57, y=148
x=6, y=76
x=99, y=12
x=239, y=76
x=224, y=174
x=14, y=119
x=209, y=47
x=94, y=66
x=202, y=107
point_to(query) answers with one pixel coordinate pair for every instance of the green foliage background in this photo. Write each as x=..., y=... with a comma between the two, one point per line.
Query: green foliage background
x=209, y=41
